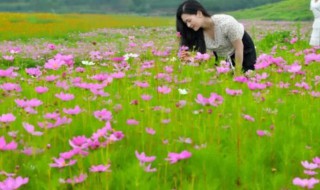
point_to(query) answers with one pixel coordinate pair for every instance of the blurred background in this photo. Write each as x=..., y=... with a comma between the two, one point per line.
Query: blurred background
x=148, y=7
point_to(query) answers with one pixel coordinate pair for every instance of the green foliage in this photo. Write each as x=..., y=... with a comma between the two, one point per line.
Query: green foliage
x=293, y=10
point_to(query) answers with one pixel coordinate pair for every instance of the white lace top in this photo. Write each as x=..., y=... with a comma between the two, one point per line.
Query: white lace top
x=226, y=30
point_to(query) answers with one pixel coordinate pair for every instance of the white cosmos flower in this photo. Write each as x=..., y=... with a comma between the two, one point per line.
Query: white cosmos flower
x=87, y=62
x=182, y=91
x=172, y=59
x=127, y=56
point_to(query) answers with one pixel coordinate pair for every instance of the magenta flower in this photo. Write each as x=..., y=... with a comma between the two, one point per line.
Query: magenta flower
x=164, y=89
x=116, y=136
x=65, y=97
x=61, y=163
x=7, y=146
x=150, y=131
x=305, y=183
x=72, y=111
x=34, y=72
x=41, y=89
x=181, y=103
x=213, y=100
x=53, y=64
x=202, y=57
x=30, y=129
x=143, y=158
x=51, y=46
x=13, y=183
x=7, y=118
x=103, y=115
x=256, y=86
x=10, y=87
x=100, y=168
x=8, y=57
x=51, y=78
x=132, y=122
x=146, y=97
x=28, y=103
x=8, y=73
x=79, y=142
x=309, y=166
x=142, y=84
x=248, y=117
x=149, y=169
x=233, y=92
x=75, y=179
x=175, y=157
x=118, y=75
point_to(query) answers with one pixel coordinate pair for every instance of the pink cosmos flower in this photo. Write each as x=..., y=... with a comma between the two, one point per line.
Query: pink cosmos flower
x=256, y=86
x=309, y=166
x=143, y=158
x=164, y=89
x=116, y=136
x=175, y=157
x=248, y=117
x=75, y=179
x=61, y=163
x=149, y=169
x=100, y=168
x=213, y=100
x=181, y=103
x=315, y=94
x=103, y=115
x=51, y=46
x=233, y=92
x=146, y=97
x=28, y=103
x=53, y=115
x=294, y=68
x=241, y=79
x=7, y=146
x=305, y=183
x=8, y=57
x=310, y=172
x=41, y=89
x=283, y=85
x=142, y=84
x=132, y=122
x=35, y=72
x=118, y=75
x=79, y=142
x=316, y=160
x=72, y=111
x=30, y=129
x=53, y=64
x=7, y=72
x=202, y=57
x=150, y=131
x=51, y=78
x=65, y=97
x=13, y=183
x=7, y=118
x=10, y=87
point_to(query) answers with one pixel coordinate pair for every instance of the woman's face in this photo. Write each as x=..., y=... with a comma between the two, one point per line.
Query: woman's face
x=193, y=21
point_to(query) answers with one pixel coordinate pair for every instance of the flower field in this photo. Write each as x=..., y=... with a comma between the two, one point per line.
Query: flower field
x=117, y=109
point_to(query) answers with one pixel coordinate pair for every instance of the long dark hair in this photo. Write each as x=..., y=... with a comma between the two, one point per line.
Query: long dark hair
x=194, y=40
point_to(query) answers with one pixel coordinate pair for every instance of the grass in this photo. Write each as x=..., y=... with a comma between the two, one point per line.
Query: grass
x=288, y=10
x=226, y=151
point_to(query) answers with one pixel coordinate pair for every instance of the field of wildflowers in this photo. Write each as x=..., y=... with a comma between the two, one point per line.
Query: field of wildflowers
x=117, y=109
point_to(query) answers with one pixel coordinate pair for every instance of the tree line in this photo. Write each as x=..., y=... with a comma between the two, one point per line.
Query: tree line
x=150, y=7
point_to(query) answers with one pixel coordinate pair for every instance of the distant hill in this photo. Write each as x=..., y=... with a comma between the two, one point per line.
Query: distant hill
x=290, y=10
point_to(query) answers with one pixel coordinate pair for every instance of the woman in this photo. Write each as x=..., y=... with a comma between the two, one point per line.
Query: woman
x=315, y=35
x=221, y=34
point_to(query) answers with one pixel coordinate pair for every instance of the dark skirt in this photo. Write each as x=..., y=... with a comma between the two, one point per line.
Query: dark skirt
x=249, y=53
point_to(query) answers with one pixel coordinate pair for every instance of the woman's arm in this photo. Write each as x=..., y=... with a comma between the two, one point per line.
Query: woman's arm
x=238, y=46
